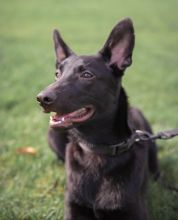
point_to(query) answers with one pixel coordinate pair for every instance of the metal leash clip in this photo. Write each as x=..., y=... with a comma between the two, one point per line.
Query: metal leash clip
x=143, y=136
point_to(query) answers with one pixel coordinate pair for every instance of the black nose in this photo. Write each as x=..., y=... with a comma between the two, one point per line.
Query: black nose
x=45, y=99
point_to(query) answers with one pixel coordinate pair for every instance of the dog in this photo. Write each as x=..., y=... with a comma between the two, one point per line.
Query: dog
x=92, y=129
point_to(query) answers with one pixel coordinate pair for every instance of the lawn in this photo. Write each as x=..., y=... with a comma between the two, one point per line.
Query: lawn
x=32, y=186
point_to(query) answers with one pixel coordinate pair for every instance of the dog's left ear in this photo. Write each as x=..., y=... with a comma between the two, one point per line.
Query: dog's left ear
x=61, y=48
x=119, y=46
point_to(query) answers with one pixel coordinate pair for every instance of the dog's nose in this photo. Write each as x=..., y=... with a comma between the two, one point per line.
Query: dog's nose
x=45, y=99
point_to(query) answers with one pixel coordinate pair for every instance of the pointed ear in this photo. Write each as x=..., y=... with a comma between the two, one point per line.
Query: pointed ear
x=119, y=46
x=61, y=48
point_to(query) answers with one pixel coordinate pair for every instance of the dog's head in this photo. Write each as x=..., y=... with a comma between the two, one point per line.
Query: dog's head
x=87, y=87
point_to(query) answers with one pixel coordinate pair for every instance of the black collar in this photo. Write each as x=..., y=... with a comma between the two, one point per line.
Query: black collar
x=113, y=149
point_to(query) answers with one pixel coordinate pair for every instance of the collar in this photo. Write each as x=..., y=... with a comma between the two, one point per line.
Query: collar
x=113, y=149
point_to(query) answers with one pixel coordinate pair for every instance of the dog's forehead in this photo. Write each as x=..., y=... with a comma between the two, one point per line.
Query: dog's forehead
x=86, y=61
x=93, y=63
x=75, y=61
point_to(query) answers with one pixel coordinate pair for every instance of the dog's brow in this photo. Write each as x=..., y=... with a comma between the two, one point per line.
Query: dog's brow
x=79, y=68
x=89, y=63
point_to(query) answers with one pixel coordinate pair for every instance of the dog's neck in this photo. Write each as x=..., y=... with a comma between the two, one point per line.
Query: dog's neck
x=112, y=130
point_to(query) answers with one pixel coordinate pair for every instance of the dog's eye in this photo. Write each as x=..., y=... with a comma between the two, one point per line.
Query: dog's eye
x=87, y=75
x=58, y=73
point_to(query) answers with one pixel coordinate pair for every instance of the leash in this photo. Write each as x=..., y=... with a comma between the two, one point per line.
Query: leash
x=125, y=145
x=139, y=136
x=163, y=135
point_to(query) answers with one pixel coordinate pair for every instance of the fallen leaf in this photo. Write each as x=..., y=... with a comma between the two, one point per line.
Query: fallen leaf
x=27, y=150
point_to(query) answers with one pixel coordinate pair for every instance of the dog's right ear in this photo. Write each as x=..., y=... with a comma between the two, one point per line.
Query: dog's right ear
x=61, y=48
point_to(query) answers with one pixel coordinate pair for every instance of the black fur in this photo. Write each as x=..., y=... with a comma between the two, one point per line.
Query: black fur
x=100, y=186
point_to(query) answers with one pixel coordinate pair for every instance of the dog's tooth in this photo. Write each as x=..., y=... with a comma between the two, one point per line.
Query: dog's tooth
x=63, y=119
x=81, y=110
x=78, y=112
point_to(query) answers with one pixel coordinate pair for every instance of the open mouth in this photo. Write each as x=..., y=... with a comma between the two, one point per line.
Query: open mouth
x=81, y=115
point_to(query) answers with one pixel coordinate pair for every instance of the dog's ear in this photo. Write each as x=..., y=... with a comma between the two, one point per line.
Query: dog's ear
x=119, y=46
x=61, y=48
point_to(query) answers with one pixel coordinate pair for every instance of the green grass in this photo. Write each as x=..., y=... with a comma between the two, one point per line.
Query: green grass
x=32, y=187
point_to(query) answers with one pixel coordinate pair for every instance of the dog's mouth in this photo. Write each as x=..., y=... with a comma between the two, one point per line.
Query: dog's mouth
x=81, y=115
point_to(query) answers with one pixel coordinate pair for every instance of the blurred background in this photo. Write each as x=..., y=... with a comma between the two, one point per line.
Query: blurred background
x=32, y=182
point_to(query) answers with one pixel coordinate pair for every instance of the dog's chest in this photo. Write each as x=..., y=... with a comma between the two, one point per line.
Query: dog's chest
x=86, y=183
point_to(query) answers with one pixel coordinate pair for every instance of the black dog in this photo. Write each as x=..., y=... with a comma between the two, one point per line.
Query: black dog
x=106, y=170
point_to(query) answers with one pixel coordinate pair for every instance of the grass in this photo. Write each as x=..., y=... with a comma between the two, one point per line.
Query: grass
x=32, y=187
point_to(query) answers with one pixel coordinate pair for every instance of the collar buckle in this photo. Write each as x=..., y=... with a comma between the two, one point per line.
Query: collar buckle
x=119, y=148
